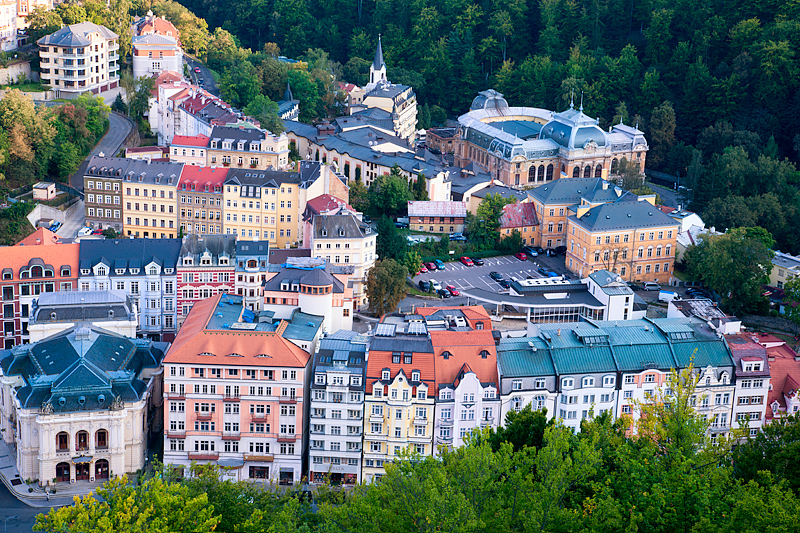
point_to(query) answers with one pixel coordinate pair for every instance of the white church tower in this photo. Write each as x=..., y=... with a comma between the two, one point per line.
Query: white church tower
x=377, y=71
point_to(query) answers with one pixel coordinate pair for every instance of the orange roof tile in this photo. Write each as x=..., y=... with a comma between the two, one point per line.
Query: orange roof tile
x=193, y=140
x=64, y=254
x=465, y=348
x=471, y=312
x=41, y=236
x=784, y=370
x=195, y=339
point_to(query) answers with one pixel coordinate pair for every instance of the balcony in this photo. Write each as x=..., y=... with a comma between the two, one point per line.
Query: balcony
x=288, y=399
x=420, y=421
x=204, y=456
x=203, y=415
x=447, y=422
x=317, y=432
x=375, y=418
x=444, y=440
x=258, y=416
x=230, y=435
x=174, y=433
x=175, y=395
x=287, y=437
x=720, y=426
x=227, y=397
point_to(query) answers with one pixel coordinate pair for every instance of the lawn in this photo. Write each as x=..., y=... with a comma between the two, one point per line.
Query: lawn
x=31, y=87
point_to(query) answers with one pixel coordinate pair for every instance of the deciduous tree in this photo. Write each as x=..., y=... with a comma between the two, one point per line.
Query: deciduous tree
x=386, y=286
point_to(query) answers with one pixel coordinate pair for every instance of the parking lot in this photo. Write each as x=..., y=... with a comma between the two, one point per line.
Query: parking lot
x=465, y=277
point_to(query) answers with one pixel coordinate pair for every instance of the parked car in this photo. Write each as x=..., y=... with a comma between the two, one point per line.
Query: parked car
x=466, y=261
x=504, y=283
x=97, y=232
x=651, y=286
x=423, y=269
x=531, y=251
x=497, y=276
x=439, y=264
x=560, y=250
x=458, y=238
x=84, y=232
x=634, y=286
x=197, y=69
x=696, y=292
x=478, y=262
x=452, y=290
x=430, y=266
x=435, y=285
x=453, y=235
x=521, y=256
x=400, y=225
x=443, y=293
x=543, y=271
x=424, y=285
x=552, y=274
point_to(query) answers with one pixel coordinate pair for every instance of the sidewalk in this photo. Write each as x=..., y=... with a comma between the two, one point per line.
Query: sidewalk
x=65, y=492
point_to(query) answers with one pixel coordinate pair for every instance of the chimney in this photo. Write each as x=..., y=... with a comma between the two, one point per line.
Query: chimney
x=605, y=185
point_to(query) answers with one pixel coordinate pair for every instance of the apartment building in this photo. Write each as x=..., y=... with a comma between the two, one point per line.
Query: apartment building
x=784, y=369
x=206, y=268
x=399, y=396
x=521, y=218
x=8, y=25
x=236, y=394
x=337, y=409
x=78, y=58
x=262, y=205
x=313, y=286
x=149, y=197
x=437, y=217
x=39, y=264
x=753, y=382
x=344, y=239
x=190, y=150
x=102, y=185
x=631, y=238
x=579, y=370
x=467, y=393
x=252, y=260
x=784, y=268
x=200, y=200
x=156, y=47
x=246, y=146
x=144, y=269
x=555, y=201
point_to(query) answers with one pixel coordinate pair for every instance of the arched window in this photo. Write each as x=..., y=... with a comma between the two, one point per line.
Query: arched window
x=62, y=471
x=598, y=171
x=101, y=439
x=62, y=442
x=549, y=175
x=563, y=168
x=36, y=272
x=540, y=173
x=614, y=166
x=101, y=469
x=82, y=441
x=587, y=172
x=576, y=172
x=531, y=174
x=640, y=252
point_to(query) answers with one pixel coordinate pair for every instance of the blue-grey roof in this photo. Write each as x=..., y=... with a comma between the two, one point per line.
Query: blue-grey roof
x=342, y=350
x=303, y=326
x=76, y=35
x=81, y=369
x=129, y=253
x=624, y=216
x=378, y=63
x=573, y=129
x=517, y=358
x=573, y=190
x=216, y=246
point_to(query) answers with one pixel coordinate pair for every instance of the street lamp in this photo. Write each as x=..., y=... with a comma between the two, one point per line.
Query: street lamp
x=7, y=519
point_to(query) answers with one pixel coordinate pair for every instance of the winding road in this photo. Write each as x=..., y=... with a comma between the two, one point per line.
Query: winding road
x=118, y=129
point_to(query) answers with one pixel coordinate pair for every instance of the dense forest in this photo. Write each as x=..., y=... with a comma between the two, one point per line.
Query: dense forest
x=714, y=84
x=529, y=475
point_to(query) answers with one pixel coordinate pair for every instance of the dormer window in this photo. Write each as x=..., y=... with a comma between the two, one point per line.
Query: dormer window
x=119, y=271
x=324, y=232
x=223, y=261
x=187, y=261
x=153, y=271
x=385, y=375
x=751, y=366
x=101, y=271
x=319, y=379
x=415, y=376
x=484, y=354
x=295, y=287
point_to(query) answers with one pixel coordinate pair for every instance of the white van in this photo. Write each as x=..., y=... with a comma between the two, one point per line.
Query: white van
x=435, y=285
x=651, y=286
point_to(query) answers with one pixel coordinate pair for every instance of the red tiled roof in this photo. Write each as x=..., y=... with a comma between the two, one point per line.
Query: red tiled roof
x=518, y=216
x=465, y=348
x=326, y=202
x=49, y=249
x=185, y=140
x=784, y=372
x=159, y=26
x=472, y=313
x=41, y=236
x=168, y=76
x=194, y=339
x=200, y=176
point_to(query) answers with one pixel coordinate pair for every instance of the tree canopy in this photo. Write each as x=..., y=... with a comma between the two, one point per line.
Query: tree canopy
x=386, y=286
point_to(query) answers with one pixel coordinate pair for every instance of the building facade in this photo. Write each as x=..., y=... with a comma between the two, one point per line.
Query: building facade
x=437, y=217
x=84, y=417
x=200, y=200
x=236, y=395
x=337, y=409
x=633, y=239
x=190, y=150
x=247, y=147
x=149, y=197
x=40, y=264
x=80, y=57
x=206, y=268
x=102, y=185
x=144, y=269
x=156, y=47
x=252, y=265
x=520, y=217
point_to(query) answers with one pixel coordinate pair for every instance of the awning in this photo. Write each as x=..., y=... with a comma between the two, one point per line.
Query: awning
x=287, y=469
x=82, y=459
x=231, y=462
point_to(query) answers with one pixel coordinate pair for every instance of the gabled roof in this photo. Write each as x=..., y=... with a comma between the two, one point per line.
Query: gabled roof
x=518, y=215
x=437, y=208
x=129, y=253
x=343, y=225
x=195, y=246
x=202, y=176
x=193, y=140
x=76, y=35
x=324, y=203
x=624, y=216
x=465, y=348
x=40, y=237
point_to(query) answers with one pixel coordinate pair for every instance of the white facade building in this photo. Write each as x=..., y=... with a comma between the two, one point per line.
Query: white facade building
x=55, y=312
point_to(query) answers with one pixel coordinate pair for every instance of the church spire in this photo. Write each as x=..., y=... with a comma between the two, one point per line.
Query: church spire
x=287, y=96
x=378, y=63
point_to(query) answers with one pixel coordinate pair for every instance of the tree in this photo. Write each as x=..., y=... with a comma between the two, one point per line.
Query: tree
x=734, y=265
x=128, y=84
x=483, y=228
x=511, y=243
x=265, y=111
x=521, y=429
x=389, y=194
x=359, y=196
x=150, y=507
x=792, y=301
x=390, y=243
x=386, y=286
x=772, y=450
x=662, y=134
x=630, y=175
x=412, y=261
x=42, y=21
x=240, y=84
x=420, y=190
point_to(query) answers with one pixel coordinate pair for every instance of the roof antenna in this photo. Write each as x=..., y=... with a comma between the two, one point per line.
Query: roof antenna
x=581, y=108
x=571, y=99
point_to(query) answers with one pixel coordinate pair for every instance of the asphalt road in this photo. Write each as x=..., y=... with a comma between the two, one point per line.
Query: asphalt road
x=118, y=128
x=208, y=79
x=74, y=222
x=10, y=506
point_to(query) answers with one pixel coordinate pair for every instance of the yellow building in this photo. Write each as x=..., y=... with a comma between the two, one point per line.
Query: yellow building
x=262, y=205
x=631, y=237
x=243, y=147
x=149, y=199
x=784, y=268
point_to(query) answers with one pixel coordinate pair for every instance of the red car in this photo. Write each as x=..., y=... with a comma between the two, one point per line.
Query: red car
x=521, y=256
x=430, y=266
x=197, y=69
x=452, y=290
x=97, y=232
x=466, y=261
x=422, y=269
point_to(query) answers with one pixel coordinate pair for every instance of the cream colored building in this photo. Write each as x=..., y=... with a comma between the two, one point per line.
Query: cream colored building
x=149, y=199
x=79, y=58
x=247, y=147
x=784, y=268
x=84, y=418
